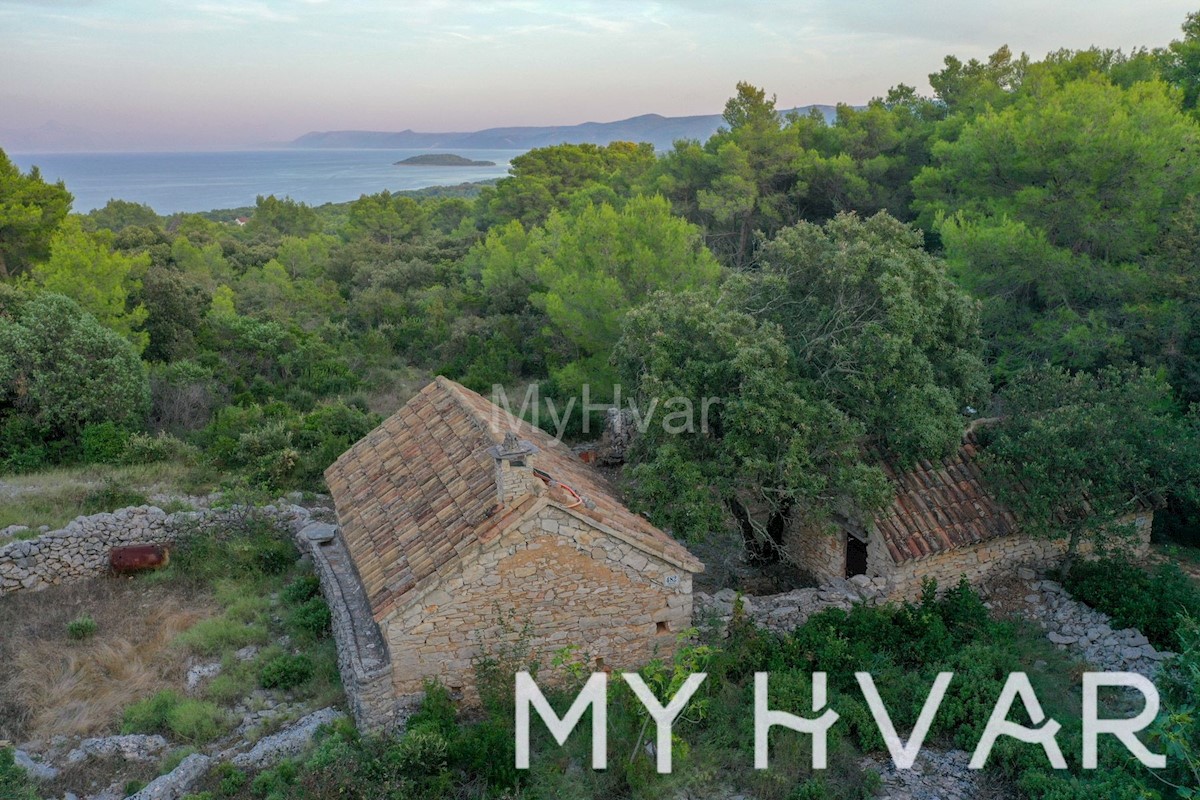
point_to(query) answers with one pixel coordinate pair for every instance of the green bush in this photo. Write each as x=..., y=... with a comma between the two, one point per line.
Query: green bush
x=150, y=716
x=1152, y=602
x=286, y=672
x=195, y=721
x=103, y=443
x=277, y=448
x=81, y=628
x=311, y=619
x=72, y=372
x=142, y=448
x=301, y=590
x=231, y=780
x=23, y=444
x=423, y=751
x=276, y=783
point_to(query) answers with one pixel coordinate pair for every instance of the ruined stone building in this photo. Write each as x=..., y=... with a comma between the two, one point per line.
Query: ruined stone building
x=461, y=525
x=942, y=523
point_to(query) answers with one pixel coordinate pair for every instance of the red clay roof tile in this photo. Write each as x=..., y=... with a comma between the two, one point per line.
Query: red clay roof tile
x=414, y=493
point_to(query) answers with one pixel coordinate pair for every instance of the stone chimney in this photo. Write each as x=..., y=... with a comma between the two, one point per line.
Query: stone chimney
x=514, y=469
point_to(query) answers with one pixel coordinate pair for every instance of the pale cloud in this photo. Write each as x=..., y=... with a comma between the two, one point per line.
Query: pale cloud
x=225, y=73
x=243, y=12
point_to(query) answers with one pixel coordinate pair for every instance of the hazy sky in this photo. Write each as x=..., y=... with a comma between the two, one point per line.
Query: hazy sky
x=218, y=73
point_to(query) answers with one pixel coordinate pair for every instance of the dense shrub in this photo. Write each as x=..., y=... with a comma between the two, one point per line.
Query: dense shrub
x=194, y=721
x=278, y=448
x=103, y=443
x=301, y=590
x=1149, y=601
x=66, y=371
x=286, y=672
x=310, y=619
x=142, y=448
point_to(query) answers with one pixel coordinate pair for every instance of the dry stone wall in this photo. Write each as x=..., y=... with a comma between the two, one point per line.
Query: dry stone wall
x=81, y=549
x=981, y=562
x=362, y=655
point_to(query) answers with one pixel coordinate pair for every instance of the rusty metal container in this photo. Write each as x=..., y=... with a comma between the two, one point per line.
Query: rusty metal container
x=138, y=557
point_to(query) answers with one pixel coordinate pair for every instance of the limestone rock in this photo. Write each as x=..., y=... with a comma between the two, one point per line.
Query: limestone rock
x=35, y=769
x=200, y=673
x=178, y=782
x=134, y=747
x=289, y=742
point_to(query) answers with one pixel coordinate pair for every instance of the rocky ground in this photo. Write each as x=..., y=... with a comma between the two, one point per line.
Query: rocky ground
x=271, y=726
x=120, y=756
x=936, y=775
x=1087, y=634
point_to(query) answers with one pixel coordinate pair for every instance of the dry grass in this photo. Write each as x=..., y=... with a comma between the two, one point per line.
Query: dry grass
x=57, y=496
x=51, y=685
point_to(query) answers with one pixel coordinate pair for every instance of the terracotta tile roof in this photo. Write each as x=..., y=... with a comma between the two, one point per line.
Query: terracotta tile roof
x=939, y=506
x=943, y=505
x=420, y=488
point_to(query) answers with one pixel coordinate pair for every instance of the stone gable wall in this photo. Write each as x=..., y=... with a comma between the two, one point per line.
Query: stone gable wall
x=553, y=581
x=820, y=553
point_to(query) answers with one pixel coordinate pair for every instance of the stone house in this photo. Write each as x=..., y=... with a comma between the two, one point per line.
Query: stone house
x=942, y=523
x=463, y=528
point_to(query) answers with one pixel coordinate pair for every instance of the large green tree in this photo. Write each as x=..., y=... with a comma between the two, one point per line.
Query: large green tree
x=282, y=217
x=875, y=325
x=63, y=370
x=582, y=272
x=85, y=267
x=1097, y=168
x=1055, y=211
x=729, y=431
x=564, y=177
x=30, y=211
x=766, y=170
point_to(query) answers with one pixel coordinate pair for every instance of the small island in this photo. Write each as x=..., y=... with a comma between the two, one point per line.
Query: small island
x=442, y=160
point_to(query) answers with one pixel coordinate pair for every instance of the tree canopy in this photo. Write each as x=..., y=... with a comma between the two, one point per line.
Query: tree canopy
x=875, y=325
x=1076, y=453
x=101, y=280
x=62, y=370
x=30, y=211
x=728, y=429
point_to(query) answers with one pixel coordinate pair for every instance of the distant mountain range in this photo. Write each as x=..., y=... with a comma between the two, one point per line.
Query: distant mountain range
x=660, y=131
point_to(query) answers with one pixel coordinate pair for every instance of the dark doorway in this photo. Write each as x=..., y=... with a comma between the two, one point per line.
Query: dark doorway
x=856, y=556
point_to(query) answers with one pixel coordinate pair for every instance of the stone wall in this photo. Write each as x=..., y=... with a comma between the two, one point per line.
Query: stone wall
x=820, y=553
x=980, y=562
x=553, y=581
x=362, y=655
x=81, y=549
x=823, y=555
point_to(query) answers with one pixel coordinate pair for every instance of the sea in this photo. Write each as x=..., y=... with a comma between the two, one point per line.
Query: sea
x=203, y=181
